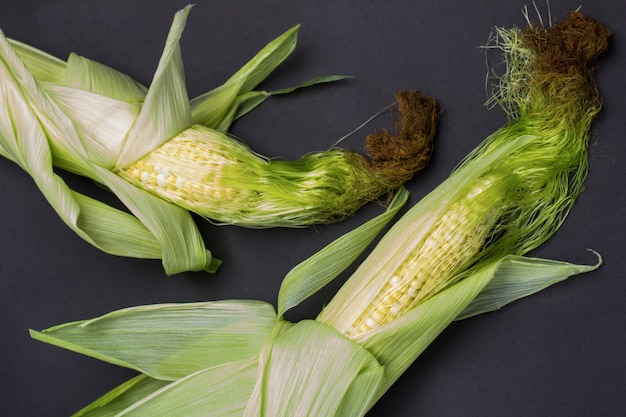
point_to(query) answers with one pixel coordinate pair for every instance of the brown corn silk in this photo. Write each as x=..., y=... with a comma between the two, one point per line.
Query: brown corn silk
x=398, y=156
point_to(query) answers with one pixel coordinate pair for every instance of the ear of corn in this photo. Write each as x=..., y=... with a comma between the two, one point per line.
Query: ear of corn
x=212, y=175
x=543, y=174
x=97, y=122
x=352, y=372
x=506, y=198
x=409, y=233
x=450, y=246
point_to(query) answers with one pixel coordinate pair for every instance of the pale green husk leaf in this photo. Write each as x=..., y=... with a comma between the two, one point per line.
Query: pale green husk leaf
x=292, y=386
x=122, y=397
x=248, y=101
x=170, y=341
x=115, y=231
x=166, y=110
x=43, y=66
x=89, y=75
x=220, y=391
x=101, y=122
x=519, y=277
x=172, y=226
x=215, y=108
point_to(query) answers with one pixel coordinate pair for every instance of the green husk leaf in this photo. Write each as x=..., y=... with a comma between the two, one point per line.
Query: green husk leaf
x=315, y=81
x=114, y=231
x=172, y=226
x=241, y=105
x=122, y=397
x=246, y=102
x=520, y=277
x=43, y=66
x=170, y=341
x=292, y=387
x=362, y=393
x=267, y=59
x=215, y=108
x=220, y=391
x=314, y=273
x=166, y=109
x=92, y=76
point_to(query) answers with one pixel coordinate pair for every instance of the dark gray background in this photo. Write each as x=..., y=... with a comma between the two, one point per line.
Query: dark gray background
x=558, y=353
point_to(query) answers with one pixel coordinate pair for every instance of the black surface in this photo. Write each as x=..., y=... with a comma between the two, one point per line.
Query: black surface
x=558, y=353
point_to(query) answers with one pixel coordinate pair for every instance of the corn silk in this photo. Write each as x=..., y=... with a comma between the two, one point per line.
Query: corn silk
x=165, y=156
x=458, y=252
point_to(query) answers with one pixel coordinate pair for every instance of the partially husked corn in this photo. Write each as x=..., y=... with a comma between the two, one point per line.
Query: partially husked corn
x=504, y=199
